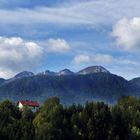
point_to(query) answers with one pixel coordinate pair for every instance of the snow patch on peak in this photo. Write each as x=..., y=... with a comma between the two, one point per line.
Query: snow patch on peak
x=93, y=69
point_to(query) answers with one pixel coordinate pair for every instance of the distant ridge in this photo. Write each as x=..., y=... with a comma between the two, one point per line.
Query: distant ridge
x=91, y=83
x=88, y=70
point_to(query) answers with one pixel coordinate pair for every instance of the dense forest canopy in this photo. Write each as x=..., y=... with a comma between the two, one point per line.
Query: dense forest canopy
x=53, y=121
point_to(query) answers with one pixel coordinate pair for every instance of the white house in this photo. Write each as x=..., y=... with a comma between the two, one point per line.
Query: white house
x=33, y=105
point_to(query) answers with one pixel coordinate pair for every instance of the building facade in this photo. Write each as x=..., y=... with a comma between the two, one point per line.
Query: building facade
x=33, y=105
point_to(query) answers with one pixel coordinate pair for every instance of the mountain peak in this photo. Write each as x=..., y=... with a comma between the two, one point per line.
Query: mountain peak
x=93, y=69
x=24, y=74
x=48, y=73
x=65, y=72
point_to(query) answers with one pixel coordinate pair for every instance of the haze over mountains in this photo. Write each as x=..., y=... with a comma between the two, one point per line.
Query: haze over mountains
x=91, y=83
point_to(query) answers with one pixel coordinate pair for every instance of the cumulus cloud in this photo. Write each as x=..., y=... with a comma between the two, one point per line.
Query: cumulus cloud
x=127, y=33
x=102, y=58
x=57, y=45
x=17, y=54
x=82, y=58
x=95, y=59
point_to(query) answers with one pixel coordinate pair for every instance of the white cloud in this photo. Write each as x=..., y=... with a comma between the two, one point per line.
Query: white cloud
x=90, y=12
x=6, y=73
x=82, y=58
x=17, y=55
x=57, y=45
x=127, y=33
x=126, y=62
x=103, y=58
x=95, y=59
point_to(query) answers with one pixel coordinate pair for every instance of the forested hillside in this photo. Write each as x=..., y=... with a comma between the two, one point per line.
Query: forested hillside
x=69, y=88
x=91, y=83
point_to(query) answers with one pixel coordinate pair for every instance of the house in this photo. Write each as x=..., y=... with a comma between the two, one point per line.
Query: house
x=33, y=105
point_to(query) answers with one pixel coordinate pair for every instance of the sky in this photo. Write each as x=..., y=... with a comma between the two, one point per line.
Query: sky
x=39, y=35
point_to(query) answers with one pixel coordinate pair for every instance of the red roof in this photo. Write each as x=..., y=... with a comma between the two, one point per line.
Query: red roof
x=29, y=103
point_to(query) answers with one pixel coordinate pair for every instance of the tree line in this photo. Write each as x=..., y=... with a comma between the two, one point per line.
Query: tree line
x=54, y=121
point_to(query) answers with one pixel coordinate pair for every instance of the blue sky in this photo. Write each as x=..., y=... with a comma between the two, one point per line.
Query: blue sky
x=37, y=35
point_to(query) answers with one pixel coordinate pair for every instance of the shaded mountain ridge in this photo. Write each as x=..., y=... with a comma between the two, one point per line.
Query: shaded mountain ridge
x=92, y=83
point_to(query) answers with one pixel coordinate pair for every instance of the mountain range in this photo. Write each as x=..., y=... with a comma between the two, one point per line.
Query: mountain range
x=91, y=83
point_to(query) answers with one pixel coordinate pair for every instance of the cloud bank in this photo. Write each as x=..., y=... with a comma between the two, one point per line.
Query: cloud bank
x=57, y=45
x=91, y=12
x=94, y=59
x=127, y=33
x=81, y=58
x=17, y=54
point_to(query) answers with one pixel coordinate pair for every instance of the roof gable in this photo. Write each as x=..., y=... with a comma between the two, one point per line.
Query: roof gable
x=29, y=103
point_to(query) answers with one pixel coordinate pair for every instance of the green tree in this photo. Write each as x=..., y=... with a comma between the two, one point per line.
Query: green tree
x=27, y=114
x=49, y=120
x=120, y=127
